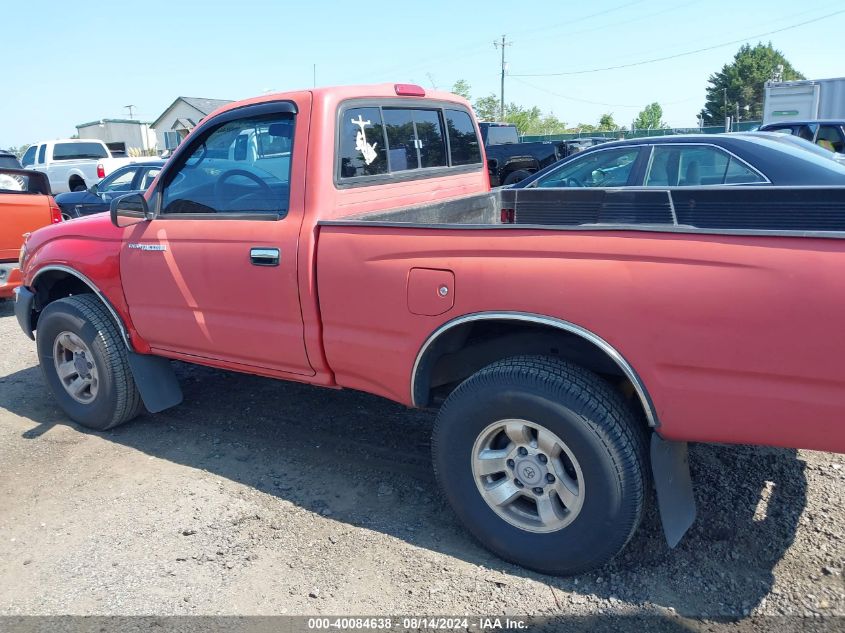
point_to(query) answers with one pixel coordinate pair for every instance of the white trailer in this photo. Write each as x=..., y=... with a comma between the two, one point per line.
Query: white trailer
x=805, y=100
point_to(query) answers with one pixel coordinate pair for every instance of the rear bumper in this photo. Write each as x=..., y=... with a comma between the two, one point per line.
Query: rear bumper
x=24, y=298
x=10, y=278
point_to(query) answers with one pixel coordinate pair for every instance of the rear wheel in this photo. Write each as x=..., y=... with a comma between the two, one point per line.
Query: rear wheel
x=516, y=176
x=543, y=462
x=85, y=363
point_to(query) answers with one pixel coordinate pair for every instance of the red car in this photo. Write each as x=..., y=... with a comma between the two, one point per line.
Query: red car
x=346, y=237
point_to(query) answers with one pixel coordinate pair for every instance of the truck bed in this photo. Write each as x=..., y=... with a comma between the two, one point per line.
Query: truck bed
x=733, y=327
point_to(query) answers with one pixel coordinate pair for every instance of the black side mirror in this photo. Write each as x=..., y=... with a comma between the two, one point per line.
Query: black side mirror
x=132, y=206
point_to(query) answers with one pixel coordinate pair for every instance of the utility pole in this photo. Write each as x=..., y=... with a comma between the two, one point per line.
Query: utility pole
x=727, y=118
x=497, y=44
x=129, y=107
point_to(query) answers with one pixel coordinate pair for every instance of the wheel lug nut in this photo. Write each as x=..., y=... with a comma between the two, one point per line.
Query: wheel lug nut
x=510, y=463
x=543, y=459
x=550, y=478
x=538, y=491
x=523, y=451
x=518, y=483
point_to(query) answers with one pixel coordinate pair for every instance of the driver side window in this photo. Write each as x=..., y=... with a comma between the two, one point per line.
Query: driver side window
x=239, y=167
x=602, y=168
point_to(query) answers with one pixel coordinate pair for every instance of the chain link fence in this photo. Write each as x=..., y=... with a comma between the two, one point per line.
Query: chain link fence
x=743, y=126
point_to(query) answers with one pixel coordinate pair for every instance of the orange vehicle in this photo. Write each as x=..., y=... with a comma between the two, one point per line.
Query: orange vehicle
x=25, y=205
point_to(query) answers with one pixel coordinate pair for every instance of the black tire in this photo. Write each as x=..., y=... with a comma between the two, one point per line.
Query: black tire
x=117, y=399
x=516, y=176
x=77, y=185
x=590, y=418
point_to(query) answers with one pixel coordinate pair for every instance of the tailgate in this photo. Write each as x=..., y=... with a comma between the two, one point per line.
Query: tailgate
x=24, y=207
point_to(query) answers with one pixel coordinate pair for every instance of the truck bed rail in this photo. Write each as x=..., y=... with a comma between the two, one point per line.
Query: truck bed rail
x=731, y=209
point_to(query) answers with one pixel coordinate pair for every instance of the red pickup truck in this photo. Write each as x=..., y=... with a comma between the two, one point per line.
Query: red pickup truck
x=347, y=237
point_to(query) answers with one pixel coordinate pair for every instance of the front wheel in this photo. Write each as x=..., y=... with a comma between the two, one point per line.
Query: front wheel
x=543, y=462
x=85, y=363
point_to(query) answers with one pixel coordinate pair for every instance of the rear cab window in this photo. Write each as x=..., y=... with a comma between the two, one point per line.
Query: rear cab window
x=502, y=135
x=9, y=162
x=78, y=151
x=386, y=141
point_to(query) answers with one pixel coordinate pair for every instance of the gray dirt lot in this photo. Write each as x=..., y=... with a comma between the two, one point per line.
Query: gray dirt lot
x=262, y=497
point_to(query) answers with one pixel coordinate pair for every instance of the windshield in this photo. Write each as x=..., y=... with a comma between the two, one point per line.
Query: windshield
x=805, y=151
x=785, y=137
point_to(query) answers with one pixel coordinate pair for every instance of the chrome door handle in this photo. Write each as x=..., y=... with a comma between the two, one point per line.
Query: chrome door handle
x=264, y=256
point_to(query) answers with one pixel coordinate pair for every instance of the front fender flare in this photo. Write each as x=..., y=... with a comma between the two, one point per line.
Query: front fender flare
x=153, y=375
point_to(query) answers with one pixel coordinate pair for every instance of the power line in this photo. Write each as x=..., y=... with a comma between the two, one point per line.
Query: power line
x=626, y=22
x=476, y=48
x=677, y=55
x=580, y=19
x=601, y=103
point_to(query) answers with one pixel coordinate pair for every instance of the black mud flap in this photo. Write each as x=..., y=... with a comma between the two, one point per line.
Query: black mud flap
x=24, y=298
x=156, y=381
x=670, y=467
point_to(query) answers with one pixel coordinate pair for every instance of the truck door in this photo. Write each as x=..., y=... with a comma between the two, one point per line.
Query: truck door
x=214, y=275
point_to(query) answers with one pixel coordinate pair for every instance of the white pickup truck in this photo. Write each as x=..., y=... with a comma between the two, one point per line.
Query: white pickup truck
x=72, y=164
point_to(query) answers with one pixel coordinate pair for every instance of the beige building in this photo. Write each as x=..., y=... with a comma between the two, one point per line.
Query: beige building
x=181, y=117
x=122, y=135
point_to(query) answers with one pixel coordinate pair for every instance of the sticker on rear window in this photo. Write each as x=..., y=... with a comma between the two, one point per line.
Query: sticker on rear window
x=367, y=151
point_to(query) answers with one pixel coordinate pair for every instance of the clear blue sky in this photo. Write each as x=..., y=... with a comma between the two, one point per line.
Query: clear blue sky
x=71, y=62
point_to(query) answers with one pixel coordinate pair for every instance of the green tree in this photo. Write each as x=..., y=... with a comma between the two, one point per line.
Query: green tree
x=651, y=118
x=462, y=88
x=18, y=151
x=742, y=82
x=487, y=108
x=548, y=124
x=607, y=124
x=526, y=120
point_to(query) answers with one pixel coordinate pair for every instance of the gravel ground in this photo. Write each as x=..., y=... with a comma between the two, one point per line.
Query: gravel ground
x=261, y=497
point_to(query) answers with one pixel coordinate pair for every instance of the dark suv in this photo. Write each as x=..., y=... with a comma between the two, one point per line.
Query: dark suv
x=8, y=160
x=827, y=134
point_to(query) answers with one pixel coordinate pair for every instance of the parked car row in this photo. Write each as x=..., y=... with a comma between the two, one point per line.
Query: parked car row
x=73, y=164
x=510, y=161
x=132, y=178
x=695, y=160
